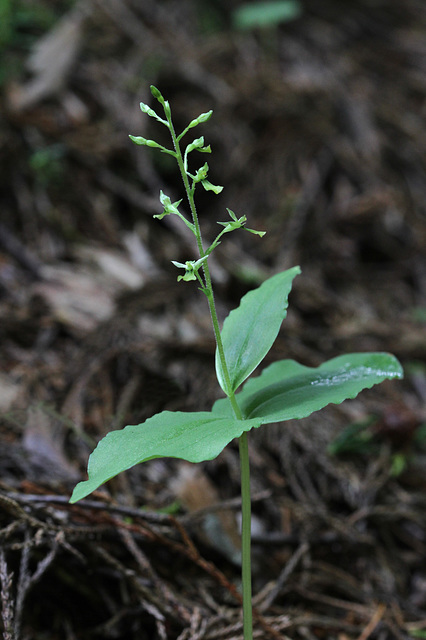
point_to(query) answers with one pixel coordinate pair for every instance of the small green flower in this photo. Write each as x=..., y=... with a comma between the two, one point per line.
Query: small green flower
x=201, y=173
x=191, y=269
x=238, y=223
x=169, y=206
x=195, y=144
x=172, y=207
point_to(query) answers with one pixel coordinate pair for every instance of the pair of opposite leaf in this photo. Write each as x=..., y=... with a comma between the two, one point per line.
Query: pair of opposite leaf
x=285, y=390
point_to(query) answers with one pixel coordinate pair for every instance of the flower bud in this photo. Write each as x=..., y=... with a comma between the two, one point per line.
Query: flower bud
x=167, y=110
x=156, y=94
x=204, y=117
x=145, y=142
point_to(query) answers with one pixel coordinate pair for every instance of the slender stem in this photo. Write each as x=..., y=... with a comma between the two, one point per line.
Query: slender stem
x=246, y=537
x=243, y=440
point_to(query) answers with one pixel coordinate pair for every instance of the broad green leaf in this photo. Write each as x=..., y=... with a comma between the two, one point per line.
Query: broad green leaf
x=286, y=389
x=191, y=436
x=266, y=14
x=250, y=330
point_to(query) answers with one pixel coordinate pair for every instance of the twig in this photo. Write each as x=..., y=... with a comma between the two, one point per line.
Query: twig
x=267, y=597
x=6, y=601
x=179, y=615
x=377, y=616
x=27, y=580
x=131, y=512
x=212, y=570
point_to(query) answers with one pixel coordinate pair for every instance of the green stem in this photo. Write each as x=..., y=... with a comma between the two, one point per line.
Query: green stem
x=246, y=537
x=243, y=440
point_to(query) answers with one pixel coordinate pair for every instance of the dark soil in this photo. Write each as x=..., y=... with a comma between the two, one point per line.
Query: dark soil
x=319, y=137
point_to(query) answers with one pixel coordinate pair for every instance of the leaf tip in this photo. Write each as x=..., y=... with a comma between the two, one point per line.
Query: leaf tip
x=78, y=493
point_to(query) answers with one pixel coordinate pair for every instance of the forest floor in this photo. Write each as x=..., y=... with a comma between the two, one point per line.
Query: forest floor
x=318, y=136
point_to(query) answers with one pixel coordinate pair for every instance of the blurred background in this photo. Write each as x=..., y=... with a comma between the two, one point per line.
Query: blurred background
x=318, y=137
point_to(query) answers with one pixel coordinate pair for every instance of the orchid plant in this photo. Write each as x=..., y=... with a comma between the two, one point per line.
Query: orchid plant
x=283, y=391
